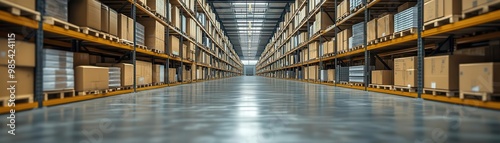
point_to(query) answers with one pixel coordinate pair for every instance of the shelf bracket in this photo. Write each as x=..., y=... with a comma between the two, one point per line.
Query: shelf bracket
x=448, y=44
x=382, y=61
x=30, y=35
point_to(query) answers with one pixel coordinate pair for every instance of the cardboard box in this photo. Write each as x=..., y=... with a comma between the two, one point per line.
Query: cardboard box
x=331, y=74
x=175, y=15
x=371, y=29
x=385, y=25
x=154, y=34
x=157, y=6
x=105, y=18
x=156, y=73
x=123, y=27
x=313, y=50
x=435, y=9
x=88, y=78
x=323, y=20
x=171, y=75
x=85, y=13
x=313, y=72
x=470, y=4
x=144, y=72
x=113, y=22
x=406, y=6
x=24, y=53
x=383, y=77
x=94, y=59
x=30, y=4
x=25, y=82
x=81, y=59
x=174, y=45
x=126, y=72
x=405, y=71
x=489, y=53
x=130, y=29
x=440, y=72
x=480, y=77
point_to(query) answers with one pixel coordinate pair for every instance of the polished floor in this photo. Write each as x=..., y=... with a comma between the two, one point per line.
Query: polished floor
x=254, y=110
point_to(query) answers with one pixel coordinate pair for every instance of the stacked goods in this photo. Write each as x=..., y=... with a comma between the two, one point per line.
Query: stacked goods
x=114, y=77
x=85, y=13
x=312, y=4
x=191, y=28
x=184, y=24
x=331, y=75
x=405, y=73
x=323, y=74
x=158, y=73
x=354, y=3
x=385, y=25
x=406, y=19
x=157, y=6
x=81, y=59
x=343, y=9
x=185, y=51
x=30, y=4
x=371, y=30
x=356, y=74
x=313, y=50
x=174, y=44
x=125, y=27
x=343, y=75
x=480, y=78
x=358, y=34
x=383, y=77
x=323, y=20
x=24, y=67
x=435, y=9
x=441, y=71
x=57, y=9
x=90, y=78
x=468, y=5
x=175, y=16
x=172, y=75
x=154, y=34
x=109, y=20
x=126, y=72
x=144, y=72
x=139, y=33
x=58, y=73
x=343, y=40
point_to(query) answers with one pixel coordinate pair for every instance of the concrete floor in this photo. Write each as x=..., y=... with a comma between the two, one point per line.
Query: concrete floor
x=255, y=109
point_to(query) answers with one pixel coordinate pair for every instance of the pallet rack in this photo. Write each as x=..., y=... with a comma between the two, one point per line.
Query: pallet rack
x=267, y=64
x=65, y=38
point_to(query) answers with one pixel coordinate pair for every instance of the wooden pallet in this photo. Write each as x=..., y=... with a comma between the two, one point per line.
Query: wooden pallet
x=344, y=83
x=372, y=42
x=142, y=47
x=384, y=38
x=120, y=88
x=90, y=31
x=442, y=92
x=144, y=5
x=18, y=10
x=356, y=84
x=492, y=6
x=404, y=33
x=56, y=22
x=93, y=92
x=113, y=38
x=144, y=85
x=483, y=95
x=386, y=87
x=357, y=8
x=441, y=21
x=356, y=48
x=126, y=42
x=404, y=89
x=58, y=94
x=20, y=99
x=157, y=51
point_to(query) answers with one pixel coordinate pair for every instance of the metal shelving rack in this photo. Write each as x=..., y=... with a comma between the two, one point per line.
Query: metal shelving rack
x=264, y=67
x=108, y=47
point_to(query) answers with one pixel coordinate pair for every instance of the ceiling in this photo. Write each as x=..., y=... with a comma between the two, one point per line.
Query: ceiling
x=249, y=24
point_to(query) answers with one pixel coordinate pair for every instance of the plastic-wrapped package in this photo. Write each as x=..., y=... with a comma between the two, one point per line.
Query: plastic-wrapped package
x=58, y=73
x=57, y=9
x=406, y=19
x=114, y=77
x=139, y=36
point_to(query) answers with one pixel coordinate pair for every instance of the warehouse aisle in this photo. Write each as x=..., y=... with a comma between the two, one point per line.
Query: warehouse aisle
x=255, y=109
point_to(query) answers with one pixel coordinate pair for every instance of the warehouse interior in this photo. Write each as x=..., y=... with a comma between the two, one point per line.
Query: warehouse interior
x=353, y=71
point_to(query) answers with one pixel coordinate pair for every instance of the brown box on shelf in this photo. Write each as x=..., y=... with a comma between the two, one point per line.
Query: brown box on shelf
x=371, y=29
x=144, y=73
x=30, y=4
x=156, y=73
x=489, y=53
x=85, y=13
x=171, y=75
x=123, y=27
x=313, y=72
x=176, y=17
x=24, y=51
x=383, y=77
x=440, y=72
x=113, y=22
x=130, y=29
x=157, y=5
x=25, y=78
x=126, y=72
x=406, y=6
x=385, y=25
x=470, y=4
x=405, y=71
x=154, y=34
x=480, y=77
x=345, y=37
x=323, y=20
x=88, y=78
x=313, y=50
x=435, y=9
x=81, y=59
x=185, y=51
x=174, y=45
x=331, y=74
x=105, y=18
x=94, y=59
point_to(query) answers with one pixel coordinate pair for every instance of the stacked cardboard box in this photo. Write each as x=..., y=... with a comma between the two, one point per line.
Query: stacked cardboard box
x=172, y=75
x=89, y=78
x=144, y=72
x=331, y=74
x=85, y=13
x=154, y=34
x=158, y=73
x=175, y=16
x=174, y=44
x=58, y=73
x=468, y=5
x=383, y=77
x=313, y=50
x=385, y=25
x=313, y=72
x=405, y=73
x=371, y=30
x=435, y=9
x=441, y=72
x=126, y=72
x=109, y=20
x=480, y=77
x=343, y=40
x=158, y=6
x=343, y=9
x=323, y=21
x=24, y=67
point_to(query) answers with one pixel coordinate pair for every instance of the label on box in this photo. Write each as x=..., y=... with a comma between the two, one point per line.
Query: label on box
x=433, y=84
x=409, y=85
x=475, y=89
